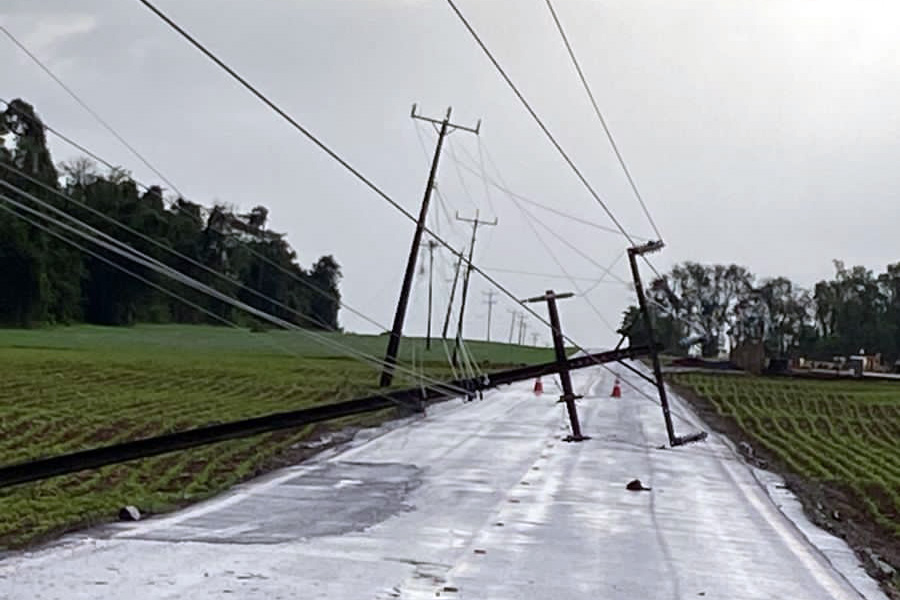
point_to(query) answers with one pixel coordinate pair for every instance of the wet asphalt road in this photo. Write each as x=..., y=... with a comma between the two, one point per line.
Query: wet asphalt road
x=478, y=500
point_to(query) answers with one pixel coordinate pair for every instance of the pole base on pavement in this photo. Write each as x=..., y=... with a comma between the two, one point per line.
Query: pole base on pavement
x=688, y=439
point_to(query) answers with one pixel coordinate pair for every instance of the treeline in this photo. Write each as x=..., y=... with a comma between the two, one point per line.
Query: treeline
x=45, y=280
x=726, y=306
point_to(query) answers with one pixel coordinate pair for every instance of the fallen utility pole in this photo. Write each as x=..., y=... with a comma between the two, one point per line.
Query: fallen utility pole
x=490, y=304
x=559, y=346
x=390, y=357
x=633, y=253
x=411, y=399
x=465, y=289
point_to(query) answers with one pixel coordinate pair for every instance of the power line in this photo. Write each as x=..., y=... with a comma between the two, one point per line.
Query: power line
x=114, y=245
x=331, y=153
x=506, y=190
x=593, y=280
x=356, y=173
x=537, y=120
x=147, y=238
x=599, y=114
x=91, y=111
x=278, y=110
x=168, y=292
x=177, y=206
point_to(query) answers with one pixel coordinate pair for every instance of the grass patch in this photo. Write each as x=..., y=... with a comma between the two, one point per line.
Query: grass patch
x=72, y=388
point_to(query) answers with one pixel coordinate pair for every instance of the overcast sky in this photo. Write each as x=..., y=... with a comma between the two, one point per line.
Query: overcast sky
x=763, y=133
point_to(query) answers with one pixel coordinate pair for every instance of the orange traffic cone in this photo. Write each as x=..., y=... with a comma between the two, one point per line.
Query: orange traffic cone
x=617, y=391
x=538, y=387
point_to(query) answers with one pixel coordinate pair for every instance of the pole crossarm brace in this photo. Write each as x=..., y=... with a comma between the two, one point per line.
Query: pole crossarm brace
x=409, y=398
x=658, y=381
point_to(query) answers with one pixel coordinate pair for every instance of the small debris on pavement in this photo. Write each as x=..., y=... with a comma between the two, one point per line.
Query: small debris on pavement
x=635, y=485
x=129, y=513
x=480, y=551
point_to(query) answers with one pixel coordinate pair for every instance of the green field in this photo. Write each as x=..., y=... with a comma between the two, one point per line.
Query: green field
x=72, y=388
x=843, y=435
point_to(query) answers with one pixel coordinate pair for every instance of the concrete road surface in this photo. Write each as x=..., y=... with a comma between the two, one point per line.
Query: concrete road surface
x=478, y=500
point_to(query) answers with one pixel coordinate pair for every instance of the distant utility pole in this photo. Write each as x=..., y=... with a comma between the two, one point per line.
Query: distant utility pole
x=465, y=290
x=490, y=304
x=390, y=357
x=512, y=322
x=523, y=327
x=534, y=338
x=452, y=295
x=431, y=246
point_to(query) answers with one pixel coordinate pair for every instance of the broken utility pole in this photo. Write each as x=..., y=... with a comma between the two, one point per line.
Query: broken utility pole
x=390, y=357
x=562, y=362
x=490, y=304
x=633, y=253
x=465, y=289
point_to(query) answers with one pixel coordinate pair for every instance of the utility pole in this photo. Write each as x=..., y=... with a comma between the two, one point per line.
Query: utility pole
x=431, y=246
x=465, y=290
x=534, y=339
x=512, y=322
x=562, y=362
x=490, y=304
x=390, y=357
x=523, y=326
x=452, y=295
x=633, y=253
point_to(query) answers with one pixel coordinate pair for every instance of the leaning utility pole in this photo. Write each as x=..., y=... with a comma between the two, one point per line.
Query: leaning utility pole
x=657, y=380
x=390, y=357
x=431, y=246
x=512, y=322
x=465, y=290
x=490, y=304
x=452, y=295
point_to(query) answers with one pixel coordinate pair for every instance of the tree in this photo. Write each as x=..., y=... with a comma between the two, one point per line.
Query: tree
x=39, y=277
x=703, y=294
x=789, y=316
x=325, y=276
x=667, y=330
x=79, y=172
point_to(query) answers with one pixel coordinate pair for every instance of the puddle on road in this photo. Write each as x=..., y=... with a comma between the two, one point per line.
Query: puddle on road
x=332, y=499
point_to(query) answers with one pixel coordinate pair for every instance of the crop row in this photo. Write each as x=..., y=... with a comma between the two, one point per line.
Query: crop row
x=841, y=432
